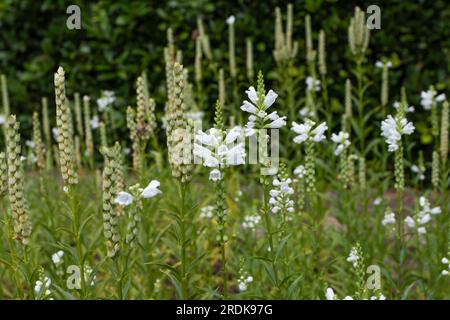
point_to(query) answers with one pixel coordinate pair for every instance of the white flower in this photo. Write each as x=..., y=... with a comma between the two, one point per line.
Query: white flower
x=206, y=212
x=312, y=85
x=251, y=221
x=151, y=190
x=342, y=141
x=230, y=20
x=445, y=272
x=280, y=196
x=410, y=222
x=124, y=199
x=409, y=109
x=306, y=112
x=421, y=230
x=242, y=286
x=270, y=121
x=305, y=131
x=94, y=122
x=330, y=294
x=393, y=129
x=300, y=171
x=215, y=175
x=105, y=100
x=2, y=119
x=354, y=256
x=389, y=218
x=57, y=257
x=377, y=201
x=380, y=64
x=429, y=98
x=30, y=144
x=348, y=298
x=55, y=133
x=445, y=261
x=217, y=150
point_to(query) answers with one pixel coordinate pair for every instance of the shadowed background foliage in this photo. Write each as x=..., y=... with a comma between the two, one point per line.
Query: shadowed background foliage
x=119, y=39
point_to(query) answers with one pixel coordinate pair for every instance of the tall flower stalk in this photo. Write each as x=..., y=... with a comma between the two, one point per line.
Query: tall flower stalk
x=358, y=39
x=392, y=129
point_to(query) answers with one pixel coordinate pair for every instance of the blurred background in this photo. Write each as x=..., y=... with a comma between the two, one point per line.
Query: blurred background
x=119, y=39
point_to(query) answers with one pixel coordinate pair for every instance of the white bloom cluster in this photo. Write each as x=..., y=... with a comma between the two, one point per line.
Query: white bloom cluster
x=207, y=212
x=446, y=262
x=393, y=129
x=218, y=150
x=409, y=109
x=300, y=171
x=238, y=195
x=423, y=216
x=243, y=282
x=125, y=199
x=389, y=218
x=377, y=201
x=342, y=141
x=420, y=171
x=87, y=275
x=354, y=257
x=381, y=64
x=57, y=257
x=94, y=122
x=306, y=112
x=259, y=115
x=231, y=20
x=42, y=287
x=55, y=133
x=251, y=221
x=429, y=98
x=107, y=98
x=280, y=196
x=306, y=132
x=312, y=84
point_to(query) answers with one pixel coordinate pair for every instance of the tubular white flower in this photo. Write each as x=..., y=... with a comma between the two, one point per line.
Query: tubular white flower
x=342, y=141
x=312, y=85
x=124, y=199
x=151, y=190
x=305, y=133
x=393, y=129
x=219, y=150
x=231, y=20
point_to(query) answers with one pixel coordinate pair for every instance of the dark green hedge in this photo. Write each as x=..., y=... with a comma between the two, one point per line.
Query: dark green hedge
x=119, y=39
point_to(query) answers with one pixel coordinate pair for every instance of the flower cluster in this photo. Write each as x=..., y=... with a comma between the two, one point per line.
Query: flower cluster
x=42, y=287
x=408, y=109
x=389, y=218
x=342, y=141
x=382, y=64
x=125, y=199
x=218, y=150
x=107, y=98
x=251, y=221
x=257, y=107
x=312, y=84
x=280, y=195
x=57, y=257
x=306, y=132
x=207, y=212
x=423, y=216
x=446, y=262
x=429, y=98
x=420, y=170
x=355, y=256
x=393, y=129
